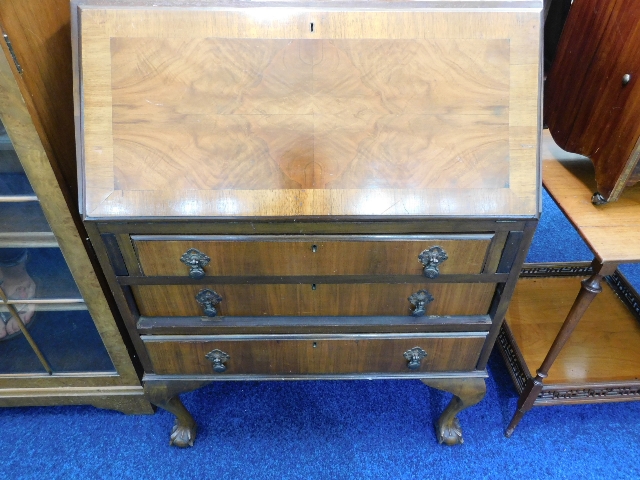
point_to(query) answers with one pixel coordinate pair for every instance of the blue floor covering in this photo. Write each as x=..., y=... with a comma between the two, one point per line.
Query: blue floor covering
x=332, y=429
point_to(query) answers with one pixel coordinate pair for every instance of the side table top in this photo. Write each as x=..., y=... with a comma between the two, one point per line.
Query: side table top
x=612, y=231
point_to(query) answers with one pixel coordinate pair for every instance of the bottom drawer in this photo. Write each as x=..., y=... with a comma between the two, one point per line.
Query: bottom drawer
x=314, y=354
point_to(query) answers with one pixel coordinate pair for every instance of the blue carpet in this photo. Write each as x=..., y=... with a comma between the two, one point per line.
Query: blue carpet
x=350, y=429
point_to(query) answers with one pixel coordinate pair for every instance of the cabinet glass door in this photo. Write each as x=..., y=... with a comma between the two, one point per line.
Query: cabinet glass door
x=44, y=324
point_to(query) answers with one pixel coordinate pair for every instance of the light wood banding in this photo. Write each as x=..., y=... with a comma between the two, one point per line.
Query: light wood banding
x=295, y=255
x=315, y=355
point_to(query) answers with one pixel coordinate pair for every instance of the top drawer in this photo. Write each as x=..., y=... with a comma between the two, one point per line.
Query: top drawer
x=314, y=255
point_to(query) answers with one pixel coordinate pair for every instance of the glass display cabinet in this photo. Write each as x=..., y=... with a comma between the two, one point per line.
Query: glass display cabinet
x=59, y=340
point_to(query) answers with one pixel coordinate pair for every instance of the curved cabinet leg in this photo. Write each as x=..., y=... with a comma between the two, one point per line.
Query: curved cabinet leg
x=165, y=394
x=466, y=393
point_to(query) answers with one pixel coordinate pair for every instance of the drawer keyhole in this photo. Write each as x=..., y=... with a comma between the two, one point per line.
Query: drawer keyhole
x=313, y=286
x=314, y=248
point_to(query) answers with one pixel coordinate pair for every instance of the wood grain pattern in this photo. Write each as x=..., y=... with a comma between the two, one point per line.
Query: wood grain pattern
x=587, y=107
x=296, y=256
x=315, y=356
x=611, y=230
x=231, y=116
x=325, y=300
x=309, y=113
x=603, y=347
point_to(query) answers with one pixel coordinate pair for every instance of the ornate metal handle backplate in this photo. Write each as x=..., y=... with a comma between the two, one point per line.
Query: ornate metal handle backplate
x=414, y=357
x=420, y=300
x=431, y=259
x=196, y=261
x=218, y=357
x=208, y=299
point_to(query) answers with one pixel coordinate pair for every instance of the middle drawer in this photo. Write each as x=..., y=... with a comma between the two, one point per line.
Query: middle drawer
x=266, y=255
x=370, y=299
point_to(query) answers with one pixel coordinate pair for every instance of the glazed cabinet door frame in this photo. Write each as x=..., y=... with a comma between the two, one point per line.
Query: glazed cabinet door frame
x=119, y=389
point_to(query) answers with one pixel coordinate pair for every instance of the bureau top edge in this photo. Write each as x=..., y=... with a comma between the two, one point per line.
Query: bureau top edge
x=304, y=219
x=317, y=4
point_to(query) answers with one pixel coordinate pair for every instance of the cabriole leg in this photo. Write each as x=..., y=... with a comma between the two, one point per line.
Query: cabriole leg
x=466, y=393
x=165, y=394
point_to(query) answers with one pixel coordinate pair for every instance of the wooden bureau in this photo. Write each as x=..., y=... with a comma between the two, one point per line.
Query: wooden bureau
x=309, y=190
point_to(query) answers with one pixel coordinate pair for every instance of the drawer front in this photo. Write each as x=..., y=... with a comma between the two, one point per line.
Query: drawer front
x=306, y=355
x=316, y=255
x=325, y=300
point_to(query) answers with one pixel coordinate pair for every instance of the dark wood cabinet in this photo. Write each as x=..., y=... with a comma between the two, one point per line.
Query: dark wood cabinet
x=322, y=192
x=592, y=97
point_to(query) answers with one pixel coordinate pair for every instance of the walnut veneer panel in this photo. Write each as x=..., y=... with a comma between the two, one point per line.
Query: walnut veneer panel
x=300, y=114
x=612, y=231
x=325, y=300
x=602, y=348
x=296, y=255
x=315, y=355
x=401, y=111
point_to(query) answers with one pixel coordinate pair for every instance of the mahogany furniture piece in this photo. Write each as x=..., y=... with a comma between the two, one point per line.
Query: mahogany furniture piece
x=309, y=190
x=600, y=362
x=70, y=351
x=592, y=97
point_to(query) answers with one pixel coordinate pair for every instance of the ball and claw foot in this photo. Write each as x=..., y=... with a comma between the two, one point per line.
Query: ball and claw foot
x=449, y=433
x=598, y=199
x=182, y=435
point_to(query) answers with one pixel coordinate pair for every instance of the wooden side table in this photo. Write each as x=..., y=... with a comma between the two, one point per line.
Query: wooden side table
x=602, y=365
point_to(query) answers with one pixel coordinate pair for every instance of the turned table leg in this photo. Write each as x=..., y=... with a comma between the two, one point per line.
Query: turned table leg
x=466, y=393
x=590, y=288
x=165, y=394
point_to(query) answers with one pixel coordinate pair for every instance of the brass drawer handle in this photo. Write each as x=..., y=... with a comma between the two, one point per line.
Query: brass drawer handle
x=420, y=300
x=431, y=259
x=414, y=357
x=196, y=261
x=208, y=299
x=218, y=357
